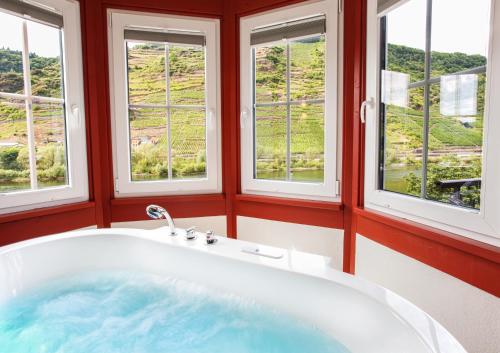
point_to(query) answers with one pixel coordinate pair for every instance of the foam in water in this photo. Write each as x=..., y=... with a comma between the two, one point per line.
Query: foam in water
x=122, y=312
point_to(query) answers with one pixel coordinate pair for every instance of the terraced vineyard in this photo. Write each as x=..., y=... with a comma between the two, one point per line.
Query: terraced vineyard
x=48, y=123
x=455, y=142
x=307, y=88
x=455, y=145
x=149, y=125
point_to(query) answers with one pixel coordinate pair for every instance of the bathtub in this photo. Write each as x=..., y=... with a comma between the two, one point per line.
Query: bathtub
x=365, y=317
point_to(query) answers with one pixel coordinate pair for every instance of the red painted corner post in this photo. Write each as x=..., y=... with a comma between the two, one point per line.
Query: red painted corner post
x=353, y=152
x=230, y=124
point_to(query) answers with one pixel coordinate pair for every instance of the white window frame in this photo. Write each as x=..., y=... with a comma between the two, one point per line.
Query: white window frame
x=124, y=186
x=483, y=224
x=329, y=190
x=77, y=188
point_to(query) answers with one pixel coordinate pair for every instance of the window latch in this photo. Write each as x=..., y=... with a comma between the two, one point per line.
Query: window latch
x=211, y=119
x=76, y=114
x=362, y=111
x=244, y=118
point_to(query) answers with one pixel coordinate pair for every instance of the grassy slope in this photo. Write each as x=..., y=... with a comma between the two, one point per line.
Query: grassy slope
x=147, y=77
x=147, y=82
x=455, y=149
x=307, y=122
x=48, y=119
x=405, y=125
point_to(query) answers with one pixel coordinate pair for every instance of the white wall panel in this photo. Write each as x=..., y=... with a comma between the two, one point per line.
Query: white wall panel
x=317, y=240
x=470, y=314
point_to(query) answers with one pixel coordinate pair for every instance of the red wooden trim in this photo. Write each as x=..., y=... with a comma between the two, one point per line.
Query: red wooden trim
x=46, y=211
x=201, y=8
x=271, y=200
x=313, y=213
x=133, y=208
x=250, y=7
x=94, y=34
x=450, y=240
x=352, y=92
x=472, y=262
x=34, y=223
x=230, y=111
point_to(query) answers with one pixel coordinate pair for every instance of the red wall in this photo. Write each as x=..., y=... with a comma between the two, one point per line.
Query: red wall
x=473, y=262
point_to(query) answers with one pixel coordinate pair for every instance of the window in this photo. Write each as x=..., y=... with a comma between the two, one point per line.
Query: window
x=430, y=66
x=165, y=91
x=289, y=102
x=42, y=130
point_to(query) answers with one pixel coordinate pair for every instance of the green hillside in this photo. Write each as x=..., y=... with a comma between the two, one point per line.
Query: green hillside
x=455, y=143
x=455, y=146
x=307, y=120
x=48, y=122
x=45, y=74
x=148, y=126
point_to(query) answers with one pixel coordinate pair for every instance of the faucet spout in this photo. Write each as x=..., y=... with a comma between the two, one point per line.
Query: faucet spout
x=158, y=212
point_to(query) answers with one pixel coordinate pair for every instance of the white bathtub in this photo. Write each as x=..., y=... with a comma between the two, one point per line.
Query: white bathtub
x=366, y=318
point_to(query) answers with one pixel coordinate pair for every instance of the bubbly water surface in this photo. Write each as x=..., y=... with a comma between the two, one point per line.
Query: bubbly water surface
x=108, y=312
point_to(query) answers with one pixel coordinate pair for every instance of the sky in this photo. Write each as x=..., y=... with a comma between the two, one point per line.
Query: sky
x=457, y=25
x=465, y=31
x=42, y=40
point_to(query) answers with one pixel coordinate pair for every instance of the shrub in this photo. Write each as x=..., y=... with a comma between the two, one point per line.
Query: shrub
x=8, y=158
x=13, y=175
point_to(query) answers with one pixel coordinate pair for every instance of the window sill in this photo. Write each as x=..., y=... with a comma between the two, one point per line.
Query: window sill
x=273, y=200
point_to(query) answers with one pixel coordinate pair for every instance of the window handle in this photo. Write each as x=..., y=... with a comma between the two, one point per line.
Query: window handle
x=211, y=119
x=244, y=118
x=76, y=114
x=362, y=111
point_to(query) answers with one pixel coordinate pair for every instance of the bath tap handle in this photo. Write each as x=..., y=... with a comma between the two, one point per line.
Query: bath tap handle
x=211, y=239
x=190, y=233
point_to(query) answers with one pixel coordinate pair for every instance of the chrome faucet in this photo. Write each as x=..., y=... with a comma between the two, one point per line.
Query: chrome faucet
x=158, y=212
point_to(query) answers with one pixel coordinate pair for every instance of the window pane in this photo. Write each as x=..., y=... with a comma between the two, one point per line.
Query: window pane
x=50, y=144
x=455, y=140
x=11, y=57
x=188, y=132
x=307, y=142
x=403, y=143
x=402, y=108
x=187, y=75
x=460, y=35
x=14, y=155
x=146, y=73
x=307, y=68
x=270, y=73
x=148, y=143
x=44, y=46
x=405, y=39
x=270, y=142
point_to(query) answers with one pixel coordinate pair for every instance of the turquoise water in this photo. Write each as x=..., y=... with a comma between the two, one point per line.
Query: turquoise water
x=108, y=312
